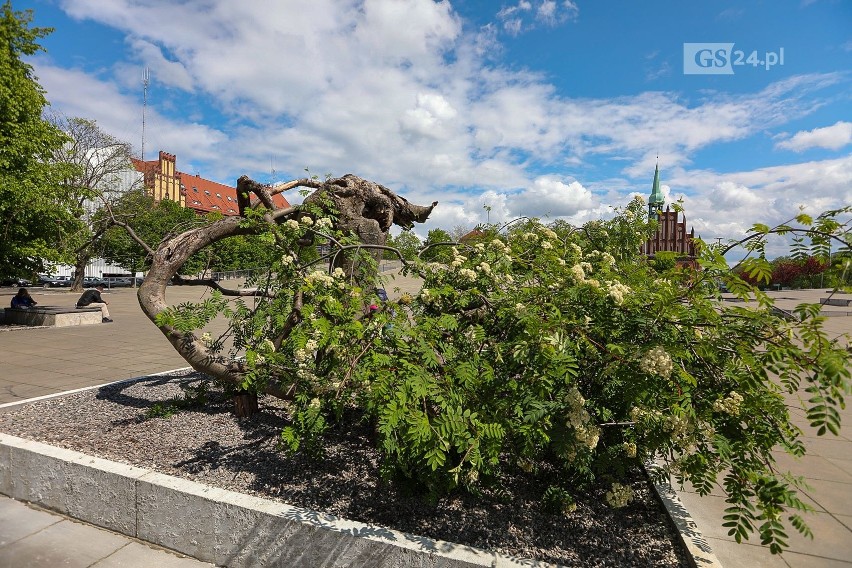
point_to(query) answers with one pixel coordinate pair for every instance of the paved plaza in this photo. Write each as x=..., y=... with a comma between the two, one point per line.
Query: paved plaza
x=44, y=361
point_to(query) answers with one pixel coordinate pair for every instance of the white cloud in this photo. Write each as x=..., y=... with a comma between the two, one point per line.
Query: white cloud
x=399, y=93
x=524, y=16
x=727, y=204
x=831, y=137
x=551, y=197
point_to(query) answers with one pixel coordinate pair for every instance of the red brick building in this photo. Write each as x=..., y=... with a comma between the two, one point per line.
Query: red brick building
x=202, y=195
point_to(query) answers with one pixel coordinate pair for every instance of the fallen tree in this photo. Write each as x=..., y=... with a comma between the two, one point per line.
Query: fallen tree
x=555, y=350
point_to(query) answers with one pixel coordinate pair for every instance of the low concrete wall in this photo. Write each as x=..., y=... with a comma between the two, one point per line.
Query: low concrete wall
x=52, y=316
x=215, y=525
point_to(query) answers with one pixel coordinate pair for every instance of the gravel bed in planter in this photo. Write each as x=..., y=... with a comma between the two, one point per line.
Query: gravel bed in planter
x=138, y=423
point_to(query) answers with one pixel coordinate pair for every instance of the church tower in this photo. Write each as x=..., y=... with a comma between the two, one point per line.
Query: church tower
x=671, y=234
x=656, y=201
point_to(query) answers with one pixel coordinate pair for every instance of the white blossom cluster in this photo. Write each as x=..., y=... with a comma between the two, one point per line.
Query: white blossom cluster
x=338, y=273
x=619, y=495
x=629, y=449
x=617, y=291
x=307, y=221
x=292, y=224
x=588, y=435
x=303, y=355
x=319, y=277
x=546, y=245
x=267, y=346
x=467, y=274
x=484, y=267
x=458, y=258
x=287, y=260
x=578, y=273
x=578, y=418
x=577, y=250
x=207, y=339
x=323, y=223
x=679, y=426
x=730, y=404
x=638, y=415
x=548, y=233
x=657, y=362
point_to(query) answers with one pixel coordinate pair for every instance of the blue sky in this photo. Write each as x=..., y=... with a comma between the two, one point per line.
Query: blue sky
x=555, y=109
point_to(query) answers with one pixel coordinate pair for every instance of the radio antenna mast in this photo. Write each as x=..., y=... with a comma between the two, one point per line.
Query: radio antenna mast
x=144, y=106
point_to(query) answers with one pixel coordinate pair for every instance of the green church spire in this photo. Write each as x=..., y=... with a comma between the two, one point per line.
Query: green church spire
x=656, y=201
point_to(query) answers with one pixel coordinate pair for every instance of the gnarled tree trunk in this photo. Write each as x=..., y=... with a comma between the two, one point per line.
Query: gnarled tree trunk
x=365, y=208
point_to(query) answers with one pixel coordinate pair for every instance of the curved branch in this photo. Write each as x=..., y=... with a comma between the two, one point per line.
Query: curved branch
x=210, y=283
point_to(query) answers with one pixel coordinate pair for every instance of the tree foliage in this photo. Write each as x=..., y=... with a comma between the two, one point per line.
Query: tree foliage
x=408, y=244
x=37, y=211
x=552, y=349
x=152, y=221
x=433, y=247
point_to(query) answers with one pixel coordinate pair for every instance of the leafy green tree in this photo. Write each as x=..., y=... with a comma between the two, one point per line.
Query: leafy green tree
x=431, y=249
x=151, y=221
x=38, y=212
x=408, y=244
x=242, y=252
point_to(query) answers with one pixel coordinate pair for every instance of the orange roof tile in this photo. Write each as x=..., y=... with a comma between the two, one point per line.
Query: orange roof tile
x=204, y=195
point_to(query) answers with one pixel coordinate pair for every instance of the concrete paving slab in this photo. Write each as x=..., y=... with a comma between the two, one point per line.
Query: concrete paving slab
x=795, y=560
x=32, y=538
x=137, y=555
x=834, y=497
x=66, y=543
x=733, y=555
x=813, y=466
x=831, y=539
x=18, y=521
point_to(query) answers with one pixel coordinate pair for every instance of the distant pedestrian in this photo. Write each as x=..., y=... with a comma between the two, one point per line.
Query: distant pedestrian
x=23, y=299
x=92, y=297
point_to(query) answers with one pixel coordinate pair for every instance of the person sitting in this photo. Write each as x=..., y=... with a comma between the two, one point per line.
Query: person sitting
x=92, y=297
x=23, y=300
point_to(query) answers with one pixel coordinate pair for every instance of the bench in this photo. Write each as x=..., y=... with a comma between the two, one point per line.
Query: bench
x=835, y=301
x=52, y=316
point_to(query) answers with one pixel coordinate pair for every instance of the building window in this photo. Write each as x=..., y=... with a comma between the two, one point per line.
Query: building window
x=206, y=192
x=195, y=189
x=219, y=195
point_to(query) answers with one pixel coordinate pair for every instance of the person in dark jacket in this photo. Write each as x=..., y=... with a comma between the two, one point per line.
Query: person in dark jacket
x=92, y=297
x=23, y=299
